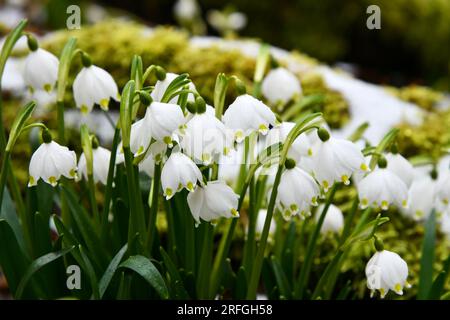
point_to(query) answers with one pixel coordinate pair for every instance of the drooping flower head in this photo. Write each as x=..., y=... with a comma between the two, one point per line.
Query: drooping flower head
x=205, y=137
x=334, y=219
x=179, y=172
x=41, y=69
x=280, y=86
x=213, y=201
x=248, y=114
x=51, y=161
x=335, y=160
x=93, y=85
x=100, y=163
x=386, y=271
x=297, y=192
x=401, y=167
x=421, y=198
x=382, y=188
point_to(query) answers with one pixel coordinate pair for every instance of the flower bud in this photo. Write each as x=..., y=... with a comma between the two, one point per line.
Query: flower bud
x=32, y=43
x=46, y=136
x=160, y=73
x=382, y=162
x=145, y=98
x=323, y=134
x=192, y=107
x=200, y=105
x=86, y=60
x=289, y=163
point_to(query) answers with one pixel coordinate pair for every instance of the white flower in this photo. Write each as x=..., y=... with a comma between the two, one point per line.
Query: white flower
x=147, y=166
x=296, y=193
x=140, y=135
x=443, y=187
x=382, y=188
x=100, y=162
x=205, y=137
x=262, y=213
x=401, y=167
x=51, y=161
x=163, y=120
x=212, y=201
x=280, y=85
x=445, y=224
x=94, y=85
x=334, y=219
x=301, y=147
x=230, y=164
x=386, y=271
x=41, y=70
x=246, y=115
x=179, y=172
x=162, y=85
x=421, y=198
x=336, y=160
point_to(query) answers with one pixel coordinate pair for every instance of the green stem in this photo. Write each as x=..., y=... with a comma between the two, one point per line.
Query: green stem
x=256, y=270
x=93, y=200
x=137, y=221
x=205, y=262
x=109, y=183
x=3, y=175
x=153, y=204
x=61, y=125
x=249, y=244
x=311, y=247
x=349, y=221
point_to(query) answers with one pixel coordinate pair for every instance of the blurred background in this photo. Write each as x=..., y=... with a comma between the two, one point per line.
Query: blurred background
x=412, y=46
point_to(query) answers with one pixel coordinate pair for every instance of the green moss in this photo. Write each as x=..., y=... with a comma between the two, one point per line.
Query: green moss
x=424, y=97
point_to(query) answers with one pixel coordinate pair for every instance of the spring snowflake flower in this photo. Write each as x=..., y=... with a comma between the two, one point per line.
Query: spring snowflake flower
x=179, y=172
x=248, y=114
x=206, y=137
x=162, y=85
x=334, y=219
x=443, y=187
x=297, y=191
x=280, y=85
x=386, y=271
x=213, y=201
x=401, y=167
x=41, y=70
x=382, y=188
x=93, y=85
x=301, y=147
x=421, y=198
x=100, y=162
x=51, y=161
x=336, y=160
x=147, y=166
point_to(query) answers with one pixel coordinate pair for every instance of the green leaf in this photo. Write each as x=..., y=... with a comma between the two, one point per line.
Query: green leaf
x=18, y=124
x=86, y=144
x=427, y=259
x=175, y=276
x=126, y=110
x=9, y=43
x=91, y=273
x=89, y=234
x=240, y=287
x=36, y=265
x=364, y=232
x=359, y=132
x=111, y=270
x=13, y=261
x=64, y=67
x=145, y=268
x=384, y=143
x=8, y=213
x=438, y=285
x=280, y=276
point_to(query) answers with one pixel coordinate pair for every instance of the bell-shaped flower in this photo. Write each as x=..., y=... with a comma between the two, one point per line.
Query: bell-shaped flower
x=443, y=187
x=205, y=138
x=51, y=161
x=248, y=114
x=297, y=191
x=164, y=120
x=300, y=147
x=401, y=167
x=335, y=160
x=93, y=85
x=100, y=163
x=41, y=70
x=280, y=86
x=147, y=166
x=382, y=188
x=386, y=271
x=179, y=172
x=421, y=198
x=213, y=201
x=140, y=135
x=162, y=85
x=334, y=219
